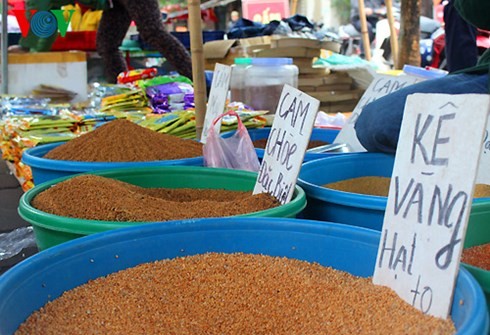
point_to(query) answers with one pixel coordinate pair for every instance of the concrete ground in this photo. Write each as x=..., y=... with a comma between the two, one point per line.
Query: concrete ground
x=10, y=193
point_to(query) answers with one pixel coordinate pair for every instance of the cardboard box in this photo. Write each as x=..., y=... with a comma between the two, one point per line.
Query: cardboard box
x=225, y=51
x=67, y=70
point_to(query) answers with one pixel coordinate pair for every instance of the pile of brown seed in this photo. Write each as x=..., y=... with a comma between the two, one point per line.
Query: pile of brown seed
x=98, y=198
x=231, y=294
x=369, y=185
x=478, y=256
x=380, y=186
x=124, y=141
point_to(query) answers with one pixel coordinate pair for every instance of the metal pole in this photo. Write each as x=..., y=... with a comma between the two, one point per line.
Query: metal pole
x=4, y=51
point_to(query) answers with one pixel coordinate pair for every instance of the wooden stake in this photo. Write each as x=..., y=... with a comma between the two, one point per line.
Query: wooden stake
x=294, y=7
x=197, y=55
x=364, y=31
x=393, y=33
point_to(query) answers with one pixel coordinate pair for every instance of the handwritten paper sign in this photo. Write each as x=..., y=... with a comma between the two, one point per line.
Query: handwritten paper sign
x=217, y=98
x=430, y=198
x=483, y=176
x=381, y=85
x=287, y=143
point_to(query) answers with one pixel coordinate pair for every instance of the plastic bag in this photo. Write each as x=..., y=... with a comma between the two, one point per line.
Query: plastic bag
x=234, y=152
x=13, y=242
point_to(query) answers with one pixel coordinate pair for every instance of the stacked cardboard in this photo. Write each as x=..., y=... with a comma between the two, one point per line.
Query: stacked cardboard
x=335, y=90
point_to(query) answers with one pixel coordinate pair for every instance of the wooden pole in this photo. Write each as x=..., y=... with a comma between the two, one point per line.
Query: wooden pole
x=409, y=52
x=364, y=31
x=197, y=55
x=393, y=33
x=294, y=7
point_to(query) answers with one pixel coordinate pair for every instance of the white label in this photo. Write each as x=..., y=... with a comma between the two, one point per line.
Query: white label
x=217, y=98
x=483, y=176
x=430, y=198
x=381, y=85
x=287, y=143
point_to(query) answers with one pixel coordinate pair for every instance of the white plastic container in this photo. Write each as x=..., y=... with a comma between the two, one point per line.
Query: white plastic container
x=264, y=81
x=237, y=81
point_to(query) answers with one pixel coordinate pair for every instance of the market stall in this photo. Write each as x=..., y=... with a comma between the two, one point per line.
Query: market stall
x=152, y=201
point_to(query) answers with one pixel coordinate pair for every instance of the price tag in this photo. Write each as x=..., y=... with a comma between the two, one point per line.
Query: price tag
x=217, y=98
x=287, y=143
x=381, y=85
x=430, y=198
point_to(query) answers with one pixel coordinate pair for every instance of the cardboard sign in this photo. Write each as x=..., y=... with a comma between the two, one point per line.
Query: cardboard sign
x=483, y=176
x=217, y=98
x=430, y=198
x=381, y=85
x=287, y=143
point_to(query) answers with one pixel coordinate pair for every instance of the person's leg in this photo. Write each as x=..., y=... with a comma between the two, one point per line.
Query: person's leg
x=146, y=14
x=113, y=27
x=357, y=25
x=461, y=49
x=378, y=126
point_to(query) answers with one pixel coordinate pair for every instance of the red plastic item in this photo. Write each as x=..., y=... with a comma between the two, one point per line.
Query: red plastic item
x=76, y=40
x=134, y=75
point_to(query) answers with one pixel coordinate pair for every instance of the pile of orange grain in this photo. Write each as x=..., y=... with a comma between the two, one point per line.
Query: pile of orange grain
x=231, y=294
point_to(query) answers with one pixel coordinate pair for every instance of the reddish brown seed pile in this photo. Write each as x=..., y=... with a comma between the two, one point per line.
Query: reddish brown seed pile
x=478, y=256
x=260, y=144
x=231, y=294
x=124, y=141
x=370, y=185
x=380, y=186
x=99, y=198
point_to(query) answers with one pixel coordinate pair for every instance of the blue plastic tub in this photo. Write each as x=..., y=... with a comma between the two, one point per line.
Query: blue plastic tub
x=45, y=276
x=318, y=134
x=44, y=169
x=344, y=207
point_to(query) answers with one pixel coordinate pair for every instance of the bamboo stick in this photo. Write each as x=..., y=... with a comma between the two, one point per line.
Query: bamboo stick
x=197, y=55
x=364, y=31
x=393, y=33
x=294, y=7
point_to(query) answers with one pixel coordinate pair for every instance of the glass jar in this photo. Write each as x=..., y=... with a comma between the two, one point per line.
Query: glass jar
x=237, y=80
x=264, y=81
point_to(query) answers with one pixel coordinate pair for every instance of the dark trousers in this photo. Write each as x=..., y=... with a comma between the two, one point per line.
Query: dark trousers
x=146, y=14
x=370, y=23
x=378, y=126
x=461, y=49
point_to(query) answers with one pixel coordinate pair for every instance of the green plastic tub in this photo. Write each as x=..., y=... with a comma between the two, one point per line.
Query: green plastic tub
x=478, y=233
x=50, y=230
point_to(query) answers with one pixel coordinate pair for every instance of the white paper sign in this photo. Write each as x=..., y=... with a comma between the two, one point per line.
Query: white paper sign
x=430, y=198
x=483, y=176
x=287, y=143
x=382, y=85
x=217, y=98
